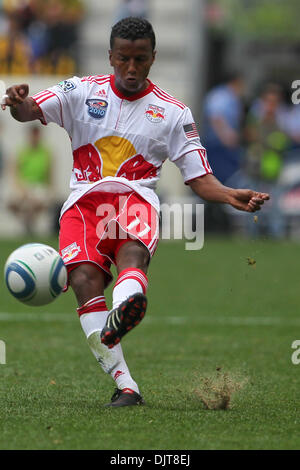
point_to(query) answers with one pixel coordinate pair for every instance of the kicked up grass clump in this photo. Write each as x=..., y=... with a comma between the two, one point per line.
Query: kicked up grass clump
x=216, y=391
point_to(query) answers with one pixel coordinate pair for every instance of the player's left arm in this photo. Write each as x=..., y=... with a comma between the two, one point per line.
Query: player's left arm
x=209, y=188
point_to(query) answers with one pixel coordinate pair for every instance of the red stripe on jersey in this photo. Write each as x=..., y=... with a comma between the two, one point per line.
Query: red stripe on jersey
x=40, y=101
x=41, y=94
x=92, y=80
x=204, y=160
x=41, y=97
x=167, y=100
x=99, y=79
x=95, y=80
x=167, y=97
x=96, y=77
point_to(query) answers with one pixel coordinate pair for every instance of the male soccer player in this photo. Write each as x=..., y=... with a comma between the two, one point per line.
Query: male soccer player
x=122, y=128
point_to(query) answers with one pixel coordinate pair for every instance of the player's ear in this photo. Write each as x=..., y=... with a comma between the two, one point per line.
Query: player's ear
x=153, y=56
x=110, y=56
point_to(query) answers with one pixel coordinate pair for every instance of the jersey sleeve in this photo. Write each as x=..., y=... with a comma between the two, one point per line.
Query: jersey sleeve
x=186, y=150
x=57, y=102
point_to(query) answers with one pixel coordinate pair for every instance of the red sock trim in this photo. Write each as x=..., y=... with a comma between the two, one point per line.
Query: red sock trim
x=97, y=304
x=136, y=274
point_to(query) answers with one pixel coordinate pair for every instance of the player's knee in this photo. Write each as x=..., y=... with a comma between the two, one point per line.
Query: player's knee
x=133, y=255
x=87, y=281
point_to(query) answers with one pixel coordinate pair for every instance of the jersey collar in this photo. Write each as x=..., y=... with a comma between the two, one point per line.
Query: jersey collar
x=137, y=96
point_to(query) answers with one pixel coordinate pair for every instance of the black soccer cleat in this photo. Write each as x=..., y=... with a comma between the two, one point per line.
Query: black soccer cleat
x=125, y=397
x=123, y=318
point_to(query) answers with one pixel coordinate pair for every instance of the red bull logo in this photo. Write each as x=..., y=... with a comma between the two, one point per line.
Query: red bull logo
x=70, y=252
x=155, y=113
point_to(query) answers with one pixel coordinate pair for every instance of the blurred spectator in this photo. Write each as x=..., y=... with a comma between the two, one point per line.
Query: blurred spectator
x=62, y=19
x=222, y=122
x=139, y=8
x=1, y=163
x=291, y=124
x=41, y=37
x=32, y=177
x=223, y=114
x=267, y=144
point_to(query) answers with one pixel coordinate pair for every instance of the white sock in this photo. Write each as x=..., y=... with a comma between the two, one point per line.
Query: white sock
x=130, y=281
x=93, y=315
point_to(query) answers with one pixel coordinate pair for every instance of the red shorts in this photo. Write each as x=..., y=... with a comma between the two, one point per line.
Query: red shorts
x=98, y=224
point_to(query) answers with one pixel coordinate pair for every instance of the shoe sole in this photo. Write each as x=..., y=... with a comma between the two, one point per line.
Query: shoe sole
x=131, y=312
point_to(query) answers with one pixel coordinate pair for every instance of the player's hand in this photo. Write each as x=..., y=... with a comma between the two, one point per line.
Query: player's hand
x=247, y=200
x=16, y=94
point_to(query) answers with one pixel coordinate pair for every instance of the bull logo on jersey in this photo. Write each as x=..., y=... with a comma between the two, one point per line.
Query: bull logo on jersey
x=70, y=252
x=97, y=108
x=155, y=113
x=111, y=156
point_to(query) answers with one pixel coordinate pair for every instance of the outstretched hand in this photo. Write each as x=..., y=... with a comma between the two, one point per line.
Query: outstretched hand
x=15, y=95
x=247, y=200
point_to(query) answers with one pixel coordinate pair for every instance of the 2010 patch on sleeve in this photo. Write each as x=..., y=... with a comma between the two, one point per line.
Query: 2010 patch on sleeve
x=67, y=85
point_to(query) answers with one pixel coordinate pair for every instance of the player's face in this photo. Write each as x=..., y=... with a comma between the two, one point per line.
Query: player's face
x=131, y=61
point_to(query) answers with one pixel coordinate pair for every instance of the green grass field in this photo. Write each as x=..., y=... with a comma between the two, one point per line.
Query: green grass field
x=207, y=309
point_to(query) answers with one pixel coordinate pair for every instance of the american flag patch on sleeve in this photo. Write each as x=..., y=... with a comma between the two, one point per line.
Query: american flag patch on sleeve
x=190, y=130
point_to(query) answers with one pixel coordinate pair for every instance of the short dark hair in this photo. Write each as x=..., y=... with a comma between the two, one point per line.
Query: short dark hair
x=132, y=28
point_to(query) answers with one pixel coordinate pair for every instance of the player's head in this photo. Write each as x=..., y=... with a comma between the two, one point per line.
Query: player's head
x=132, y=52
x=132, y=28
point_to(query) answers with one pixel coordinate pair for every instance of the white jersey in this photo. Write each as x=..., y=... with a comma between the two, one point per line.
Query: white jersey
x=120, y=143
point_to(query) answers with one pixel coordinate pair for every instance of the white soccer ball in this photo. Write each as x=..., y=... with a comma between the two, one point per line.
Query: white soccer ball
x=35, y=274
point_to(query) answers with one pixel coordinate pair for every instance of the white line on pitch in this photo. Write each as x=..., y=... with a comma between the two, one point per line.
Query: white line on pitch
x=170, y=320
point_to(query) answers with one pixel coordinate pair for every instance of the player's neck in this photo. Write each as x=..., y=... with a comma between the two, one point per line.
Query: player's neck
x=125, y=94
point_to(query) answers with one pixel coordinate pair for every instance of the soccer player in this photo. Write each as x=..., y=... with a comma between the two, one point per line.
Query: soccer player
x=122, y=128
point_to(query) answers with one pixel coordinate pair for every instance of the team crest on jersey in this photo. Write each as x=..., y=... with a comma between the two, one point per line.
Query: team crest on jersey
x=70, y=252
x=155, y=113
x=67, y=85
x=97, y=108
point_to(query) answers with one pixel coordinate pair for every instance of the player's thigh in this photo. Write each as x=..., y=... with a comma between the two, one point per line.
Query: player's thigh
x=132, y=254
x=87, y=282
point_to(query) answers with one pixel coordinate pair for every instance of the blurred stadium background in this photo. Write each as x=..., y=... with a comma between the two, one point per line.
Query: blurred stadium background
x=233, y=305
x=198, y=41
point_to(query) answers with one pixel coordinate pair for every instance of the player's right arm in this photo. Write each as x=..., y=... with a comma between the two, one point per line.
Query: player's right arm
x=22, y=107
